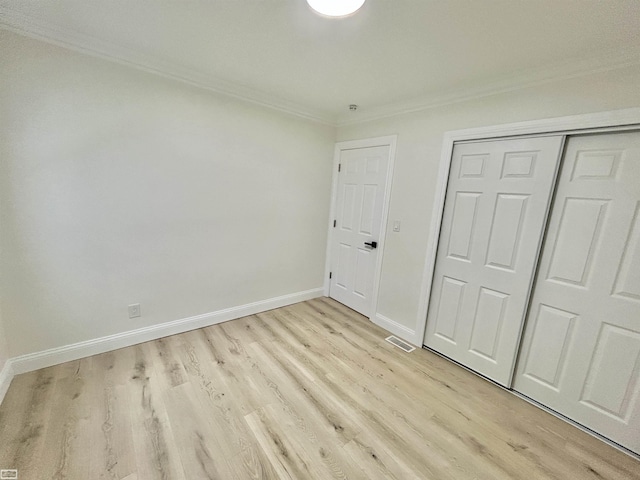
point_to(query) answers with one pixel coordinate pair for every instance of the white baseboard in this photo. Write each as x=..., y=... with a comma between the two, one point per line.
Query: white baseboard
x=6, y=375
x=405, y=333
x=67, y=353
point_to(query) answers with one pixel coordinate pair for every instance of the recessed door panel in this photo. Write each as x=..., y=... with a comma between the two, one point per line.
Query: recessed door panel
x=496, y=205
x=344, y=265
x=451, y=296
x=368, y=209
x=362, y=272
x=519, y=165
x=347, y=216
x=596, y=164
x=373, y=164
x=472, y=166
x=612, y=379
x=628, y=277
x=506, y=230
x=487, y=324
x=578, y=234
x=580, y=352
x=464, y=218
x=552, y=335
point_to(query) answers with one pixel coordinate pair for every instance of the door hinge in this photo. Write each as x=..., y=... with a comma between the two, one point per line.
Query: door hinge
x=330, y=274
x=334, y=224
x=339, y=167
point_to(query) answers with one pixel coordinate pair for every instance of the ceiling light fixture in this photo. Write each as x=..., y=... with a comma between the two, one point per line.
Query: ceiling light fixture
x=335, y=8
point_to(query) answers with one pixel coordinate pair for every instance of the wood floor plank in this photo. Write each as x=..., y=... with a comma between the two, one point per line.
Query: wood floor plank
x=256, y=464
x=327, y=409
x=111, y=427
x=204, y=451
x=325, y=458
x=307, y=391
x=156, y=454
x=24, y=419
x=371, y=464
x=205, y=368
x=240, y=379
x=68, y=425
x=287, y=462
x=295, y=406
x=214, y=394
x=378, y=460
x=165, y=357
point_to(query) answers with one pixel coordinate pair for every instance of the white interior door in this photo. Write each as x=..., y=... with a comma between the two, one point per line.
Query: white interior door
x=581, y=349
x=495, y=209
x=359, y=205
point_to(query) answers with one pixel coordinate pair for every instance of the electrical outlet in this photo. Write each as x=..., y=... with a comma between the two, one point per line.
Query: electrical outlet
x=134, y=310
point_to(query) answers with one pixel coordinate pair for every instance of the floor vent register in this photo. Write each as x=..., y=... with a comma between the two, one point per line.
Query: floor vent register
x=401, y=344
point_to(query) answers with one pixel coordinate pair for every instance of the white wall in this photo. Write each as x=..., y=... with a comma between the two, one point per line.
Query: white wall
x=4, y=352
x=120, y=187
x=418, y=156
x=6, y=370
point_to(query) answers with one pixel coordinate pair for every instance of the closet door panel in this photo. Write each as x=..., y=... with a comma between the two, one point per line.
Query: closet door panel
x=496, y=205
x=581, y=348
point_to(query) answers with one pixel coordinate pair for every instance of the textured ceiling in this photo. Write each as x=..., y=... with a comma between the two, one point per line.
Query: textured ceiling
x=389, y=56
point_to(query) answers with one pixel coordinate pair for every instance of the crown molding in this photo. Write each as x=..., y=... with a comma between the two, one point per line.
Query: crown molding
x=613, y=60
x=39, y=29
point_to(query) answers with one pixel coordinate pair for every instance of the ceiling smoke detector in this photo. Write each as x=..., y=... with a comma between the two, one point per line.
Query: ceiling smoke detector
x=335, y=8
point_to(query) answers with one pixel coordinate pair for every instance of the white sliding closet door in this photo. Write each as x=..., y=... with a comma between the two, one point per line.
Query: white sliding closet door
x=581, y=349
x=495, y=210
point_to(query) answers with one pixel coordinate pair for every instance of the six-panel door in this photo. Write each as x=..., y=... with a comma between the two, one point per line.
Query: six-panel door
x=359, y=202
x=496, y=205
x=581, y=349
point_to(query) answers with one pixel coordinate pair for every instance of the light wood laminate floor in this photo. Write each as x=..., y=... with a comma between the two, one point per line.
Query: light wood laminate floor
x=310, y=391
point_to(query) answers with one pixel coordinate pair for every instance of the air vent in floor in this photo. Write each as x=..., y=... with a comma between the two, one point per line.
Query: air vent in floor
x=401, y=344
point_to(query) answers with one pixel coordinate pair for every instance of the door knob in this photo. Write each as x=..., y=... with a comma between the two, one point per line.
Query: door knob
x=371, y=244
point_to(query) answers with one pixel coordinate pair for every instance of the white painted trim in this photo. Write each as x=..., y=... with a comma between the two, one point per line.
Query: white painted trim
x=332, y=217
x=556, y=125
x=43, y=30
x=585, y=123
x=613, y=60
x=432, y=245
x=6, y=375
x=390, y=141
x=54, y=356
x=396, y=328
x=386, y=202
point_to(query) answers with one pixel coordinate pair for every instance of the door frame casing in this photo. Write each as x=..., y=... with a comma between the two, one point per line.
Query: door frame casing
x=616, y=120
x=390, y=141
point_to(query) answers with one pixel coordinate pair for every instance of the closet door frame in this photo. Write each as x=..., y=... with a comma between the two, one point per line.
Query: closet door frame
x=609, y=121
